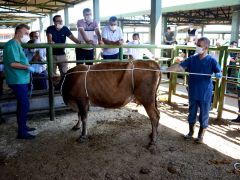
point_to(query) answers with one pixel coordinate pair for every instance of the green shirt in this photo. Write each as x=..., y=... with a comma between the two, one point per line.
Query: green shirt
x=13, y=52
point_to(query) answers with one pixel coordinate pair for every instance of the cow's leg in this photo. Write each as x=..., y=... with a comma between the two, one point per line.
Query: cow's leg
x=154, y=116
x=153, y=113
x=78, y=125
x=83, y=106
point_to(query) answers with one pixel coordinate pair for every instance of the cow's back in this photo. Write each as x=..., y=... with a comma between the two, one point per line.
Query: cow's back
x=110, y=84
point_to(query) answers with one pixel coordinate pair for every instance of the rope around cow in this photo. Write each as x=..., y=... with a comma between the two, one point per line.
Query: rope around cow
x=132, y=69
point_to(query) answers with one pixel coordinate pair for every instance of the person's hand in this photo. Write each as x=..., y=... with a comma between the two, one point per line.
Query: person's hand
x=51, y=42
x=90, y=42
x=163, y=69
x=31, y=69
x=101, y=42
x=218, y=75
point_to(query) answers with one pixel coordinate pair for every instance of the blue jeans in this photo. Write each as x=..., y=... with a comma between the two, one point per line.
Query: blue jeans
x=21, y=93
x=114, y=56
x=204, y=112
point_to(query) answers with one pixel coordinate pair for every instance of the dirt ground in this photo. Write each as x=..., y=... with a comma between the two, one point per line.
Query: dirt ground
x=117, y=148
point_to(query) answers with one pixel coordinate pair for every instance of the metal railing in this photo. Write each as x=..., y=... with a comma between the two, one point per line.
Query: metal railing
x=219, y=91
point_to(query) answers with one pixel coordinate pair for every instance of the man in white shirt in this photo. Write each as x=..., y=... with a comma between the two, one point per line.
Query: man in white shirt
x=137, y=53
x=112, y=35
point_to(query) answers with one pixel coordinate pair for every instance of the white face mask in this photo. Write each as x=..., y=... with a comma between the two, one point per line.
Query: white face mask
x=135, y=42
x=88, y=18
x=113, y=28
x=59, y=26
x=199, y=50
x=25, y=38
x=37, y=41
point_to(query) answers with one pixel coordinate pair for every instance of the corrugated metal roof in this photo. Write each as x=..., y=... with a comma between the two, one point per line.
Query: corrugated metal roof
x=13, y=12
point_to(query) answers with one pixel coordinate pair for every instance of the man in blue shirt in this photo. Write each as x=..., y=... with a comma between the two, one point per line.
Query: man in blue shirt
x=57, y=33
x=200, y=86
x=17, y=71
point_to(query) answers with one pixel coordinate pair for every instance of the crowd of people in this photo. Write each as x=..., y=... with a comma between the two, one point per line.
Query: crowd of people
x=20, y=64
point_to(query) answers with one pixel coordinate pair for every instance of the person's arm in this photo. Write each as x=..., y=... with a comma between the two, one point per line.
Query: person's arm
x=99, y=36
x=176, y=68
x=108, y=42
x=18, y=65
x=84, y=36
x=180, y=67
x=49, y=38
x=73, y=38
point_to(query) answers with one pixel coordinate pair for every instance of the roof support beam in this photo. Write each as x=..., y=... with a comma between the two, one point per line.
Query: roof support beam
x=156, y=16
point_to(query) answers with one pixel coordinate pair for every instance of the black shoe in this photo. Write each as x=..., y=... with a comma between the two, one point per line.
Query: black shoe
x=237, y=120
x=26, y=136
x=31, y=129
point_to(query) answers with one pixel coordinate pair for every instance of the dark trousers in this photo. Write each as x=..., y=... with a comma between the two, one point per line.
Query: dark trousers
x=39, y=80
x=204, y=112
x=238, y=89
x=1, y=82
x=21, y=93
x=83, y=54
x=114, y=56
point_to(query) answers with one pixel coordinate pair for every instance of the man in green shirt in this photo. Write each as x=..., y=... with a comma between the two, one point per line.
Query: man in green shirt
x=17, y=71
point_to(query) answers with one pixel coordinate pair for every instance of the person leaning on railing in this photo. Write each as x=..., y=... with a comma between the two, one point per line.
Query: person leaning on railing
x=200, y=86
x=57, y=33
x=88, y=33
x=17, y=71
x=112, y=35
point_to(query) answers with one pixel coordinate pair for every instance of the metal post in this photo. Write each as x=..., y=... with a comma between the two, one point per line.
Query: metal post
x=156, y=15
x=41, y=33
x=172, y=79
x=50, y=19
x=66, y=18
x=235, y=23
x=50, y=83
x=217, y=83
x=202, y=30
x=121, y=53
x=223, y=84
x=96, y=10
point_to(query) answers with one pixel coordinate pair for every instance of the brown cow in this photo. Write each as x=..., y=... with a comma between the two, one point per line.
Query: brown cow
x=112, y=85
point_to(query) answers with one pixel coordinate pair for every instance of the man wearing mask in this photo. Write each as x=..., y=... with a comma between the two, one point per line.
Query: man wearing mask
x=17, y=71
x=137, y=53
x=112, y=35
x=200, y=87
x=57, y=33
x=88, y=33
x=192, y=33
x=37, y=55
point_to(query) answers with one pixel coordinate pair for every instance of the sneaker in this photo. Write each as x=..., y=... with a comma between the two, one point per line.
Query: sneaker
x=31, y=129
x=26, y=136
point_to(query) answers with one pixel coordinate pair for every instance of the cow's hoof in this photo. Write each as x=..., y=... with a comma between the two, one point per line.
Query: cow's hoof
x=82, y=139
x=75, y=128
x=152, y=148
x=150, y=135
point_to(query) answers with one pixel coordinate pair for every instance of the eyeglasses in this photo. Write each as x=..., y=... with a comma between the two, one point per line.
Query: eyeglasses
x=60, y=21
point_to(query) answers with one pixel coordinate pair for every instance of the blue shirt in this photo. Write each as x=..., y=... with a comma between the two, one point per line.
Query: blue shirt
x=13, y=52
x=199, y=86
x=30, y=53
x=59, y=36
